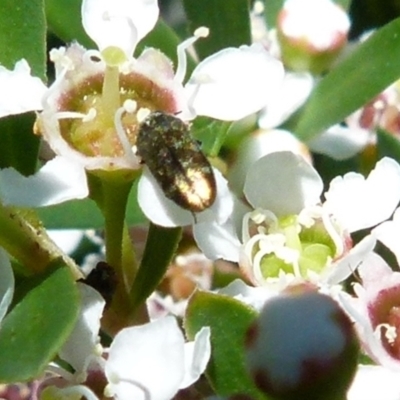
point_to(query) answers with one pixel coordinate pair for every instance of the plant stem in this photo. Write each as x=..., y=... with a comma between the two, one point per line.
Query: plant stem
x=26, y=240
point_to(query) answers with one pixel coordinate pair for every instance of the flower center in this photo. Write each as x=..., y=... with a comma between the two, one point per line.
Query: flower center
x=87, y=111
x=290, y=244
x=385, y=318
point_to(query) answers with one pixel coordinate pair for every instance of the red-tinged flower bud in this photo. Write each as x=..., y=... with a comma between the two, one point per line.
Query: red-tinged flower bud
x=302, y=346
x=311, y=34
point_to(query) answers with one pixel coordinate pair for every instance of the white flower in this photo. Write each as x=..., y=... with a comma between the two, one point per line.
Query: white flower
x=82, y=349
x=217, y=88
x=373, y=382
x=20, y=91
x=290, y=226
x=388, y=233
x=320, y=24
x=57, y=181
x=147, y=361
x=155, y=357
x=374, y=310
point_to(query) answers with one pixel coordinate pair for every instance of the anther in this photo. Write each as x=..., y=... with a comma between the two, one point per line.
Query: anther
x=180, y=72
x=122, y=135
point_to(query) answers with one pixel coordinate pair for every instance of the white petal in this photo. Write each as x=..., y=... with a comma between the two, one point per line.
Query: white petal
x=165, y=212
x=253, y=296
x=283, y=183
x=375, y=382
x=340, y=142
x=66, y=239
x=259, y=144
x=120, y=23
x=151, y=355
x=80, y=347
x=20, y=92
x=294, y=91
x=57, y=181
x=360, y=203
x=235, y=82
x=197, y=355
x=218, y=240
x=347, y=265
x=6, y=283
x=388, y=233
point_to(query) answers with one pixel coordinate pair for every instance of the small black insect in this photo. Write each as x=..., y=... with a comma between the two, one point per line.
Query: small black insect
x=102, y=278
x=176, y=161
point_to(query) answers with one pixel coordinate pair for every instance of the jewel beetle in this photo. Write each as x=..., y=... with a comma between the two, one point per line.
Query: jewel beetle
x=175, y=159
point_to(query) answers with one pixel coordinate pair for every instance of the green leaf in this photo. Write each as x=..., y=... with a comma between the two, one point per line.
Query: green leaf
x=271, y=11
x=363, y=74
x=388, y=145
x=229, y=320
x=64, y=19
x=23, y=34
x=19, y=145
x=212, y=133
x=84, y=214
x=160, y=247
x=345, y=4
x=38, y=325
x=228, y=21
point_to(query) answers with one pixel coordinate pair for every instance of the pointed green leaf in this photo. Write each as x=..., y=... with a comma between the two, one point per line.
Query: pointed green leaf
x=64, y=19
x=228, y=21
x=37, y=326
x=23, y=34
x=363, y=74
x=160, y=247
x=19, y=145
x=229, y=320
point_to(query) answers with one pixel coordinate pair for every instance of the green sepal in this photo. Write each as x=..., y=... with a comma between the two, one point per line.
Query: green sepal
x=229, y=320
x=44, y=313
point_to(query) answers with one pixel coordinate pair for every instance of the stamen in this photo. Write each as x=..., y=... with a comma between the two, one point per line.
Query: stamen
x=258, y=7
x=180, y=73
x=77, y=115
x=90, y=116
x=389, y=332
x=122, y=135
x=108, y=392
x=142, y=114
x=55, y=369
x=81, y=390
x=130, y=105
x=332, y=232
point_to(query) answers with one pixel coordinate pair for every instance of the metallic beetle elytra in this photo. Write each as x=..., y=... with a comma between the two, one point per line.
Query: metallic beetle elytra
x=176, y=161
